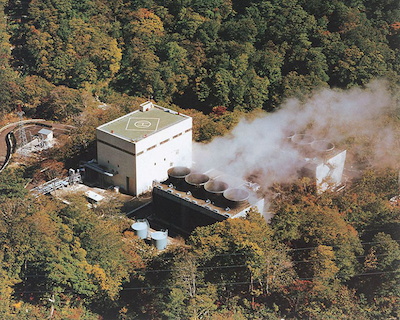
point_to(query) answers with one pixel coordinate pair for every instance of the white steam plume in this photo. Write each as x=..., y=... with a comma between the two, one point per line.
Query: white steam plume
x=360, y=120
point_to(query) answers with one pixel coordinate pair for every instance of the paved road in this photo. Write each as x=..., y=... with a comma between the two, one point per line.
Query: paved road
x=10, y=127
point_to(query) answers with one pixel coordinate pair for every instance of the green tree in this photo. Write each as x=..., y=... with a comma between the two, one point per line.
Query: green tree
x=189, y=297
x=303, y=220
x=382, y=285
x=12, y=184
x=9, y=87
x=71, y=43
x=323, y=267
x=239, y=256
x=60, y=104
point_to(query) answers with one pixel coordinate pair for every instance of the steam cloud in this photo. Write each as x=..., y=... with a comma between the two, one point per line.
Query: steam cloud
x=359, y=120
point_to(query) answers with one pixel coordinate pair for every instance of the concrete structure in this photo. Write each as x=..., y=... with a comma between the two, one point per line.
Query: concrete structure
x=138, y=148
x=93, y=197
x=188, y=200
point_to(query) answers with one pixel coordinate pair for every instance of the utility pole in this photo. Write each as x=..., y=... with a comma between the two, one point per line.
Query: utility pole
x=52, y=300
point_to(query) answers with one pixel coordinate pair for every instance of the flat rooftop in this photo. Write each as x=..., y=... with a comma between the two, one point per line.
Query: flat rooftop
x=140, y=124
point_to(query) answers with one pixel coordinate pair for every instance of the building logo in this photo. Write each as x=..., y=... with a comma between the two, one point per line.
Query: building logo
x=142, y=124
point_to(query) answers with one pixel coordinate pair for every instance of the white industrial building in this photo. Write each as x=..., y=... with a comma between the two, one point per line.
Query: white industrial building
x=137, y=149
x=45, y=135
x=321, y=161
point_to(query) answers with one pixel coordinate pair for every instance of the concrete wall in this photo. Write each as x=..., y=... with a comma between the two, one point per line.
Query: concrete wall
x=116, y=141
x=122, y=163
x=180, y=215
x=154, y=164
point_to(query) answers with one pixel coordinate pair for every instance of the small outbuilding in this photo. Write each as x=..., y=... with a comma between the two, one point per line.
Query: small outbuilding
x=93, y=197
x=45, y=134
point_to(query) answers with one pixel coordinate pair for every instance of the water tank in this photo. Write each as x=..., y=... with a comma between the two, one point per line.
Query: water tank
x=160, y=239
x=141, y=228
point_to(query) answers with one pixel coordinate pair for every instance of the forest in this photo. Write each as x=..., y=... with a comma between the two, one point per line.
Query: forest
x=323, y=256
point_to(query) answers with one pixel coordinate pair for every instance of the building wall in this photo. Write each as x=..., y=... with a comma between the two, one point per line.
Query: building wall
x=115, y=141
x=120, y=162
x=180, y=215
x=161, y=151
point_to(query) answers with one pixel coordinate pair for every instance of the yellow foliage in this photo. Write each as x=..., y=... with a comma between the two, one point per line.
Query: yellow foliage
x=17, y=305
x=147, y=25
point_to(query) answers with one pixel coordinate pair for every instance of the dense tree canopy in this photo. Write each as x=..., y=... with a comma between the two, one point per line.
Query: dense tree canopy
x=86, y=62
x=238, y=54
x=65, y=253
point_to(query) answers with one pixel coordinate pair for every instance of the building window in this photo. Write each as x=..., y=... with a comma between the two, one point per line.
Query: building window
x=165, y=141
x=127, y=184
x=176, y=136
x=188, y=130
x=152, y=147
x=140, y=153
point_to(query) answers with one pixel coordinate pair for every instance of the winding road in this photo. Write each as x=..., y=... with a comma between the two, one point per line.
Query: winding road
x=4, y=131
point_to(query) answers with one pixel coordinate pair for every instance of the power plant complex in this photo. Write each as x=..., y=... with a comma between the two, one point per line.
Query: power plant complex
x=151, y=150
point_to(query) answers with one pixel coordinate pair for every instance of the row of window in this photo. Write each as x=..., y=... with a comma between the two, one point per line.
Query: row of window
x=165, y=141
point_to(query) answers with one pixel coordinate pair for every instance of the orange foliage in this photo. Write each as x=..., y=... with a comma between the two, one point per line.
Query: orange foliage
x=219, y=110
x=395, y=26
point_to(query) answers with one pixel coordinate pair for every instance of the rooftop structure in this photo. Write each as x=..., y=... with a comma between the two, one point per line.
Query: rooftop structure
x=138, y=148
x=140, y=124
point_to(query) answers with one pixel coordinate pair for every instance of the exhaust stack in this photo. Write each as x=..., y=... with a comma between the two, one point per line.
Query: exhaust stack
x=322, y=148
x=176, y=176
x=196, y=182
x=235, y=197
x=214, y=190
